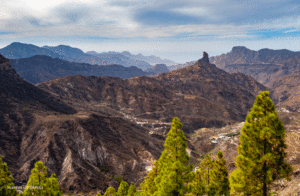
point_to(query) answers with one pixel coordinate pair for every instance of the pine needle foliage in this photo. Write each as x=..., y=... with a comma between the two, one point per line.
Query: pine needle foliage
x=148, y=186
x=196, y=187
x=110, y=191
x=123, y=189
x=261, y=151
x=219, y=184
x=175, y=171
x=131, y=190
x=39, y=178
x=6, y=180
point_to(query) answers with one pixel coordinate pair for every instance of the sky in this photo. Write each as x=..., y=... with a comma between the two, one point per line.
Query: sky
x=176, y=30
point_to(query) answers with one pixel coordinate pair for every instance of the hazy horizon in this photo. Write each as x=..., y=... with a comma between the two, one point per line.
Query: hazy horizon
x=179, y=31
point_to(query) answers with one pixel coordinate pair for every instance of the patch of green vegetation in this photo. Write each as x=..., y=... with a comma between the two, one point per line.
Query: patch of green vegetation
x=102, y=169
x=118, y=178
x=233, y=134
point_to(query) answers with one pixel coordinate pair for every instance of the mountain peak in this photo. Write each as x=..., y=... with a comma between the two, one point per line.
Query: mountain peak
x=126, y=53
x=240, y=49
x=204, y=58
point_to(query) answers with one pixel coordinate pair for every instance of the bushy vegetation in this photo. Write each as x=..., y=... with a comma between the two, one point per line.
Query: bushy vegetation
x=38, y=184
x=233, y=134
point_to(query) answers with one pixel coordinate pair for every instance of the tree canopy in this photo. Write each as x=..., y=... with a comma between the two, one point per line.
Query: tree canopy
x=261, y=151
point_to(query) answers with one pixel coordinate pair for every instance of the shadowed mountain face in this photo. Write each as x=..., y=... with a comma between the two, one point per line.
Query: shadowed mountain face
x=39, y=69
x=18, y=50
x=200, y=95
x=84, y=148
x=18, y=100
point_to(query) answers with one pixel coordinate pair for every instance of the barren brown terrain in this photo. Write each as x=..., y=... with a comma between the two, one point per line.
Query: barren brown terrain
x=89, y=130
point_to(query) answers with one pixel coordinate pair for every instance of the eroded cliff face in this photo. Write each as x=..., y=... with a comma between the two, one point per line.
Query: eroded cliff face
x=85, y=152
x=84, y=149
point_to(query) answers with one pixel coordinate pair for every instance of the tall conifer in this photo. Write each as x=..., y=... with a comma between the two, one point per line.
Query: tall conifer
x=148, y=186
x=6, y=180
x=39, y=179
x=175, y=173
x=131, y=190
x=219, y=184
x=123, y=189
x=262, y=150
x=110, y=191
x=196, y=186
x=206, y=166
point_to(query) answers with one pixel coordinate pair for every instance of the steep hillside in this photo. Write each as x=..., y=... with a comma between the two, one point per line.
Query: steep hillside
x=265, y=65
x=84, y=148
x=200, y=95
x=288, y=89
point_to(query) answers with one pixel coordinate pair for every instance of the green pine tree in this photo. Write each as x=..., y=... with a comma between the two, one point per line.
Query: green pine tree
x=219, y=183
x=174, y=173
x=39, y=178
x=148, y=187
x=110, y=191
x=262, y=150
x=206, y=166
x=123, y=189
x=131, y=190
x=196, y=186
x=6, y=180
x=52, y=186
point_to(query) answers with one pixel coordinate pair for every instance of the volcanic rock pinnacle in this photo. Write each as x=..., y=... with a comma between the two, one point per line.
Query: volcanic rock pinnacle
x=204, y=58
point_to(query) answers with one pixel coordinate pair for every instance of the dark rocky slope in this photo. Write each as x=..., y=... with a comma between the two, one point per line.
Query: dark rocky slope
x=84, y=148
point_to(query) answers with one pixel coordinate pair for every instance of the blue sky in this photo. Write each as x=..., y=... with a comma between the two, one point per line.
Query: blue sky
x=177, y=30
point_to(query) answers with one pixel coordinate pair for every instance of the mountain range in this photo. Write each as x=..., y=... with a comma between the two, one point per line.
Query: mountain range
x=90, y=129
x=41, y=68
x=152, y=60
x=18, y=50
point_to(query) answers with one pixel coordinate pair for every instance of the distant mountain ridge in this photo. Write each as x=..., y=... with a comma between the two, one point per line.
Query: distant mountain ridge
x=118, y=58
x=266, y=66
x=152, y=60
x=157, y=69
x=41, y=68
x=18, y=50
x=243, y=55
